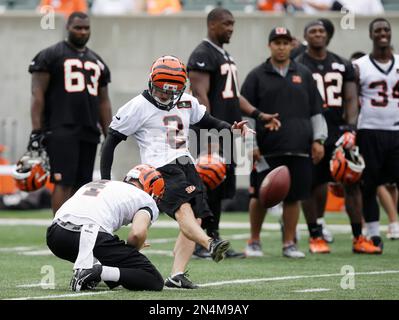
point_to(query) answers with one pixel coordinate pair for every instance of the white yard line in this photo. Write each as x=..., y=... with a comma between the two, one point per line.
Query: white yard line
x=40, y=251
x=25, y=222
x=221, y=283
x=241, y=281
x=70, y=295
x=161, y=240
x=173, y=224
x=312, y=290
x=34, y=285
x=44, y=252
x=16, y=249
x=160, y=252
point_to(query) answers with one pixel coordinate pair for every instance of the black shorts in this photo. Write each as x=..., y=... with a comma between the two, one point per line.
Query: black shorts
x=109, y=250
x=300, y=170
x=71, y=160
x=380, y=150
x=183, y=185
x=227, y=188
x=321, y=172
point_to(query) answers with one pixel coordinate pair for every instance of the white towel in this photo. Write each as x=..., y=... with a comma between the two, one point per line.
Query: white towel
x=88, y=236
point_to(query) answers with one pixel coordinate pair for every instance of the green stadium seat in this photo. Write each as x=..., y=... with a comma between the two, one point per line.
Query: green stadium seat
x=233, y=5
x=391, y=7
x=22, y=4
x=195, y=5
x=240, y=5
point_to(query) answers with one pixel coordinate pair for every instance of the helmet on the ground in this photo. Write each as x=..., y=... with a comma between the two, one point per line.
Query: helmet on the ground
x=149, y=178
x=168, y=78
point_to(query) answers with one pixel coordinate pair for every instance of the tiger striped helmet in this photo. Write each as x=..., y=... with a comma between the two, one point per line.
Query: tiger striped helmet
x=168, y=77
x=149, y=178
x=212, y=170
x=346, y=166
x=32, y=171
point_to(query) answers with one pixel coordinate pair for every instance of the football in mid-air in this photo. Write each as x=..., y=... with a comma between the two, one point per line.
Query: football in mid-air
x=275, y=187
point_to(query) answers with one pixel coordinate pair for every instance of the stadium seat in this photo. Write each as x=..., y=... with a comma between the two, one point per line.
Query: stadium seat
x=22, y=4
x=240, y=5
x=3, y=5
x=391, y=5
x=233, y=5
x=195, y=5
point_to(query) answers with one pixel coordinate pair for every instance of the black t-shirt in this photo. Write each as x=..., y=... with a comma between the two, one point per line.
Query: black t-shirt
x=223, y=90
x=71, y=99
x=294, y=97
x=330, y=75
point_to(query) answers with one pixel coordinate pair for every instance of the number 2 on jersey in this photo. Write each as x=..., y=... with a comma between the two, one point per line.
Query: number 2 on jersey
x=175, y=134
x=94, y=188
x=330, y=88
x=75, y=80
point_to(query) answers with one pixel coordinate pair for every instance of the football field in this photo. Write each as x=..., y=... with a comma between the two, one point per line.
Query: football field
x=30, y=271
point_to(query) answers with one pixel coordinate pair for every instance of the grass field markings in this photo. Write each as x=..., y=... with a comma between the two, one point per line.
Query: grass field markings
x=16, y=249
x=345, y=228
x=35, y=285
x=230, y=236
x=70, y=295
x=44, y=252
x=240, y=281
x=168, y=253
x=244, y=281
x=25, y=222
x=312, y=290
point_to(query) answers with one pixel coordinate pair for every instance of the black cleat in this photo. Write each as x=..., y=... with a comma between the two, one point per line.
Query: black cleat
x=218, y=248
x=377, y=241
x=201, y=253
x=180, y=281
x=86, y=279
x=231, y=253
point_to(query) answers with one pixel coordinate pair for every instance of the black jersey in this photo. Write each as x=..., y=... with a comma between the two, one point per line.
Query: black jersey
x=223, y=92
x=330, y=75
x=296, y=99
x=71, y=99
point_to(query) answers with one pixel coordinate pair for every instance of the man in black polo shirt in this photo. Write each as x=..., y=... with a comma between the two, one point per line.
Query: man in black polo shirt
x=282, y=86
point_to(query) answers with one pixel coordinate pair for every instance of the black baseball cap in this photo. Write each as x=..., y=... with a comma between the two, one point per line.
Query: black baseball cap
x=280, y=32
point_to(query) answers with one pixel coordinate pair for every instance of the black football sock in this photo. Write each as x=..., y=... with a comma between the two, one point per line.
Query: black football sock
x=315, y=230
x=356, y=229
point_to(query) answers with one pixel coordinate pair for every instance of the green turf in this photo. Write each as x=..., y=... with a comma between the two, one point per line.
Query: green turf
x=18, y=269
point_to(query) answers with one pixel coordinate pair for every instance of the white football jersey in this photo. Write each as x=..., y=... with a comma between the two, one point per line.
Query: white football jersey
x=162, y=135
x=109, y=204
x=379, y=94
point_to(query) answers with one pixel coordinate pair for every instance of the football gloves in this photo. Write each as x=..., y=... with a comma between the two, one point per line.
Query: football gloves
x=347, y=140
x=36, y=140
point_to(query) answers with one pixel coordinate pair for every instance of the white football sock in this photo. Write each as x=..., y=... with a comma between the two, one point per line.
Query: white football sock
x=373, y=228
x=110, y=274
x=88, y=236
